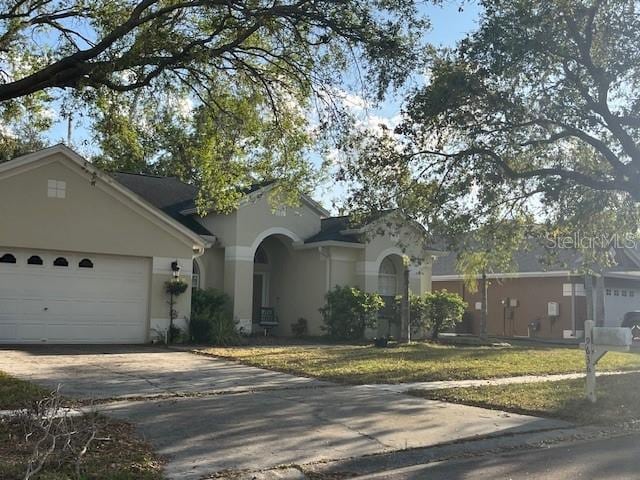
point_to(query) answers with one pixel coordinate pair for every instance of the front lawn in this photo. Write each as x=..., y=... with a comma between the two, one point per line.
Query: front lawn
x=617, y=399
x=16, y=393
x=418, y=362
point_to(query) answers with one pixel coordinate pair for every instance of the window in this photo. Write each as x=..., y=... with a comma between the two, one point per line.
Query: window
x=624, y=293
x=387, y=278
x=616, y=292
x=56, y=189
x=195, y=276
x=7, y=258
x=608, y=292
x=61, y=262
x=632, y=293
x=35, y=260
x=578, y=288
x=85, y=263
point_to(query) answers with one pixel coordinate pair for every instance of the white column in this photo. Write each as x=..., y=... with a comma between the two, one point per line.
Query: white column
x=238, y=284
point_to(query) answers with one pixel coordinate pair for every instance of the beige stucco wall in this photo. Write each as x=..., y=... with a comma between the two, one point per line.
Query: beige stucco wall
x=256, y=216
x=212, y=271
x=92, y=218
x=297, y=288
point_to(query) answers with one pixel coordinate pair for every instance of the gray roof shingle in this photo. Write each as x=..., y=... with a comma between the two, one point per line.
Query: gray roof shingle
x=166, y=193
x=535, y=258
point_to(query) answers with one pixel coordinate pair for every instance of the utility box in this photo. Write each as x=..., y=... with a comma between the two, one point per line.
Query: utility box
x=553, y=309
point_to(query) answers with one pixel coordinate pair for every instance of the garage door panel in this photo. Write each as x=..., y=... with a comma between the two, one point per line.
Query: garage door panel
x=8, y=330
x=104, y=304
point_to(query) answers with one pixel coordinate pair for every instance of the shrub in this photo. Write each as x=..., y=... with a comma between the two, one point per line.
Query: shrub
x=442, y=309
x=212, y=318
x=348, y=311
x=417, y=312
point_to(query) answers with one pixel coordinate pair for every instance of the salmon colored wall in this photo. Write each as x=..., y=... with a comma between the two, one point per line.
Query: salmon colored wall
x=533, y=294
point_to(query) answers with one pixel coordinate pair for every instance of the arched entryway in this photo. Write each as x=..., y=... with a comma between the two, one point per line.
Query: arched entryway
x=390, y=275
x=270, y=286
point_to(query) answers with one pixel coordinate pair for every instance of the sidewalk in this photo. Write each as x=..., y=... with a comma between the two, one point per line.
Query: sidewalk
x=440, y=385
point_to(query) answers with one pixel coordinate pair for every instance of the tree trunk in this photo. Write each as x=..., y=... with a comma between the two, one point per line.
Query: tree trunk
x=484, y=313
x=588, y=291
x=599, y=301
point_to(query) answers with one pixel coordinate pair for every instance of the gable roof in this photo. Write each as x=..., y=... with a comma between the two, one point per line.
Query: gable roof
x=535, y=259
x=169, y=194
x=156, y=213
x=331, y=231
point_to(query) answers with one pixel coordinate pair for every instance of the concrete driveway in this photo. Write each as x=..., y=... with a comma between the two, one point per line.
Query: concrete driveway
x=207, y=415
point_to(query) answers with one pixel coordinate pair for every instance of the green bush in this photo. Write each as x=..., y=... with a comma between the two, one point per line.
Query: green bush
x=212, y=318
x=435, y=311
x=442, y=310
x=348, y=311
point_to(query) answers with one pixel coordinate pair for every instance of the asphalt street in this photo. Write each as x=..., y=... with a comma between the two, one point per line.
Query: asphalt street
x=615, y=458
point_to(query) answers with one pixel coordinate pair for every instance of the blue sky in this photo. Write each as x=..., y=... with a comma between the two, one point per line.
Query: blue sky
x=448, y=25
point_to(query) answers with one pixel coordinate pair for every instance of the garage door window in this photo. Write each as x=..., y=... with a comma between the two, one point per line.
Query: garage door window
x=8, y=258
x=61, y=262
x=85, y=263
x=35, y=260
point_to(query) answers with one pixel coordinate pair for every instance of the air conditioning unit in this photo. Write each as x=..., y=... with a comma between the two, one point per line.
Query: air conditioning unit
x=513, y=302
x=553, y=309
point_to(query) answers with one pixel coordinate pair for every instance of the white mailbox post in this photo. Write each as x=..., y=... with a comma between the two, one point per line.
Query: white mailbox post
x=597, y=342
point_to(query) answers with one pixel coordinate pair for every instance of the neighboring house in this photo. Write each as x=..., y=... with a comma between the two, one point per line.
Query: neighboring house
x=84, y=255
x=542, y=300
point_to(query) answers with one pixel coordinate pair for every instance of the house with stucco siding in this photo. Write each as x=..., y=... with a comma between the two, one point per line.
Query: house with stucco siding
x=84, y=255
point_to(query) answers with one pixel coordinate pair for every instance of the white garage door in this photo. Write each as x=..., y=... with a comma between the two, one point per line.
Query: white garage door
x=61, y=297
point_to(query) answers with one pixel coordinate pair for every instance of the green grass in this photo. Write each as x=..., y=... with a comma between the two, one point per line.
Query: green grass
x=16, y=393
x=418, y=362
x=617, y=399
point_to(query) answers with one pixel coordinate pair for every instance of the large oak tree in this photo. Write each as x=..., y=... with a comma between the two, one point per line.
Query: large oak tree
x=534, y=116
x=250, y=70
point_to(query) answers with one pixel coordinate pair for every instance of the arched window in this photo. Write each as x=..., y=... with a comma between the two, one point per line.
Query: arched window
x=195, y=276
x=8, y=258
x=260, y=256
x=61, y=262
x=387, y=278
x=85, y=263
x=35, y=260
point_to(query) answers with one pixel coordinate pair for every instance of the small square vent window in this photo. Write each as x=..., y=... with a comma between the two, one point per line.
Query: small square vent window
x=56, y=189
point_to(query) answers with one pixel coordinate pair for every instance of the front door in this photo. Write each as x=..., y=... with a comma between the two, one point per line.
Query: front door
x=258, y=285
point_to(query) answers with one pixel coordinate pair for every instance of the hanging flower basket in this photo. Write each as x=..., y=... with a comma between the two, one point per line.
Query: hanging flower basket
x=176, y=287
